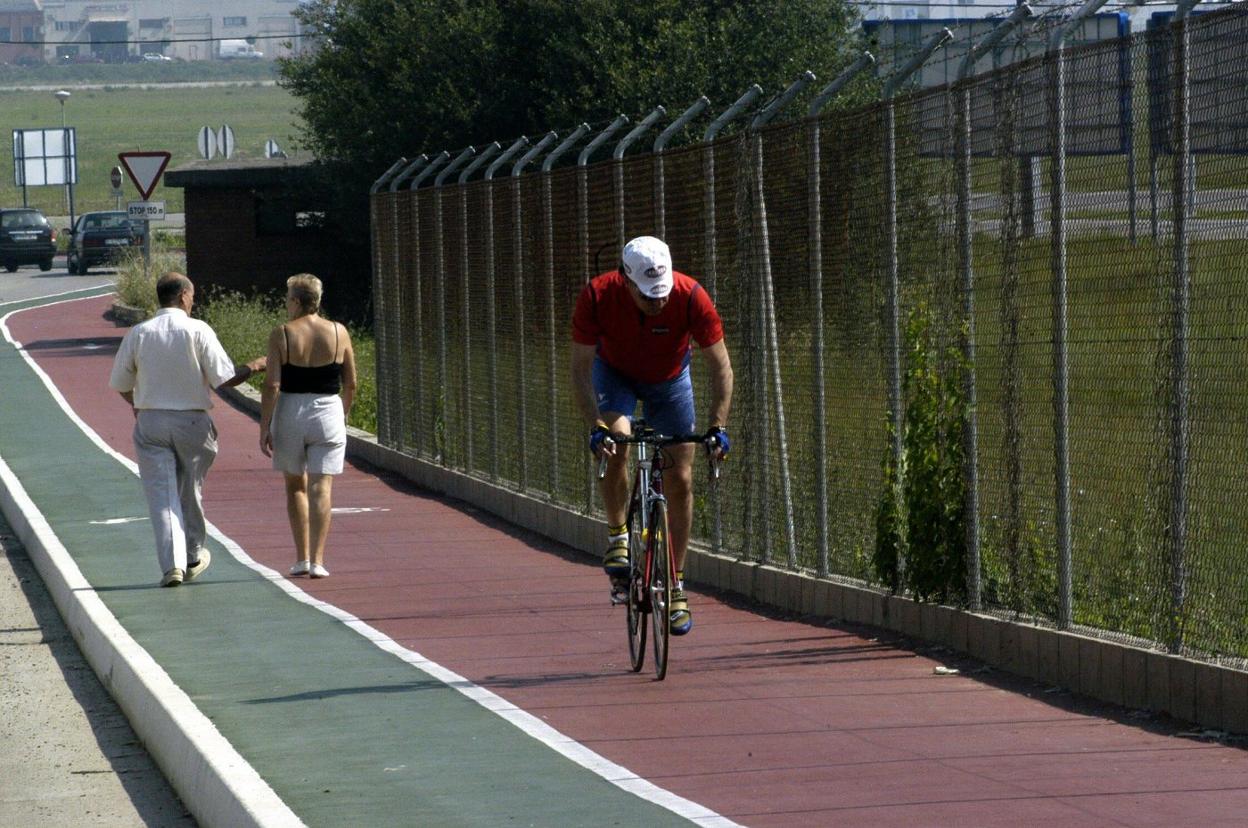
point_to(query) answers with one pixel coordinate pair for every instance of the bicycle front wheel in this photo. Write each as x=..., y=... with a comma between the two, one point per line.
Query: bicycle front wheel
x=637, y=599
x=661, y=581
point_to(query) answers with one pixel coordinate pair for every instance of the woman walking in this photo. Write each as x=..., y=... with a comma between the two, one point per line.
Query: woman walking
x=307, y=395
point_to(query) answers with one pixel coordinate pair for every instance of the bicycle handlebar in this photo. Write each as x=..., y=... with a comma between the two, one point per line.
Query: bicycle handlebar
x=660, y=441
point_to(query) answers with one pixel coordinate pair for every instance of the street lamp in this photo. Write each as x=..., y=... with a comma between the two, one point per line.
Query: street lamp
x=62, y=95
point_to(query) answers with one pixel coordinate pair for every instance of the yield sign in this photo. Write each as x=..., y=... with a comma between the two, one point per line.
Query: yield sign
x=144, y=169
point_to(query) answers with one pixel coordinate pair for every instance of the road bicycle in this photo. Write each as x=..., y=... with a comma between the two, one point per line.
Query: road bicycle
x=652, y=570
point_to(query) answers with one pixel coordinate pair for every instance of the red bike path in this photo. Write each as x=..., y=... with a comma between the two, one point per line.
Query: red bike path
x=764, y=720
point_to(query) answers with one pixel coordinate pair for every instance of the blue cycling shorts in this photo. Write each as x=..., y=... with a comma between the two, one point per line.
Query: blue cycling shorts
x=666, y=406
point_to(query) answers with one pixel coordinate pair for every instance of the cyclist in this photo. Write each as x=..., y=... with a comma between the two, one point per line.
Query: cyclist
x=631, y=333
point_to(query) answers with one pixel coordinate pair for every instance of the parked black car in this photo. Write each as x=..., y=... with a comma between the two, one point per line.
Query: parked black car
x=99, y=238
x=25, y=238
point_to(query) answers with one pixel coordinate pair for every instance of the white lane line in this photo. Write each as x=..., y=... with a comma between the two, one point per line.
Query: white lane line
x=214, y=778
x=117, y=521
x=612, y=772
x=54, y=296
x=356, y=510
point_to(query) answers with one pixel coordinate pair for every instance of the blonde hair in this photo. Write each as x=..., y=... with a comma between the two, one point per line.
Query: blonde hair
x=305, y=289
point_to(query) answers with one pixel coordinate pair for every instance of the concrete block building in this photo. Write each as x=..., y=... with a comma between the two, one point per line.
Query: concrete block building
x=181, y=29
x=21, y=29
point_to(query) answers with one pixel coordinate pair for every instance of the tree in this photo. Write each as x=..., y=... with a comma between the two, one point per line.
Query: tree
x=401, y=77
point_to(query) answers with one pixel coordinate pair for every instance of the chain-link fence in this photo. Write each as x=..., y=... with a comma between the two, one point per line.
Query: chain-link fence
x=1038, y=273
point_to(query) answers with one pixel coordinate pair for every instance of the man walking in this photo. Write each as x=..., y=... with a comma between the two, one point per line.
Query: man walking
x=166, y=369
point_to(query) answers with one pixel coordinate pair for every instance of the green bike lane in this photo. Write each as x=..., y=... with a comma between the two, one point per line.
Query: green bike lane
x=455, y=670
x=343, y=732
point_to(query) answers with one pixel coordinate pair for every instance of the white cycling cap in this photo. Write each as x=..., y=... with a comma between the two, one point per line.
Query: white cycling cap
x=648, y=262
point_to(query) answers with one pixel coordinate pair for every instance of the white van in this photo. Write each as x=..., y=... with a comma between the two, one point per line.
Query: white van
x=237, y=50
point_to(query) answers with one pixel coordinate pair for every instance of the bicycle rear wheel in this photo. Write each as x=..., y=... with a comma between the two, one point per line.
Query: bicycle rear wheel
x=661, y=575
x=637, y=600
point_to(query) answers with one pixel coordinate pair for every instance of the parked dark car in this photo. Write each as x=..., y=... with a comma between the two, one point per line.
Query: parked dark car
x=26, y=238
x=99, y=238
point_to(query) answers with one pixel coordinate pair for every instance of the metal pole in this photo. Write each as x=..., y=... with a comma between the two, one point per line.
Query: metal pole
x=395, y=328
x=895, y=402
x=552, y=383
x=440, y=297
x=971, y=433
x=379, y=280
x=522, y=415
x=582, y=217
x=491, y=314
x=1181, y=304
x=710, y=255
x=466, y=304
x=708, y=165
x=769, y=311
x=1061, y=373
x=660, y=143
x=617, y=155
x=815, y=223
x=420, y=421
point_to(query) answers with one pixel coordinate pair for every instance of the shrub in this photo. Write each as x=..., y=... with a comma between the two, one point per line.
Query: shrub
x=920, y=513
x=136, y=282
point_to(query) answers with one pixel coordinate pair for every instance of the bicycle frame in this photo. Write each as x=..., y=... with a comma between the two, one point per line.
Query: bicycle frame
x=652, y=575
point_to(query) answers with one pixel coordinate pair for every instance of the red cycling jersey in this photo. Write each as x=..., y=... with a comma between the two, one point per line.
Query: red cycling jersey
x=646, y=349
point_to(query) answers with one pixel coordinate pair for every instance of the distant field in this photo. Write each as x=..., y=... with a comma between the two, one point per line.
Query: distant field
x=116, y=119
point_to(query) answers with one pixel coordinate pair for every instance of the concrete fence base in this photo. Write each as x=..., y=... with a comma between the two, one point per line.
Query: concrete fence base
x=1210, y=695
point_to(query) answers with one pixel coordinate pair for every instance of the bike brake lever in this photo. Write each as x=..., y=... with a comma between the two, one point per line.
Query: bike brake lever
x=602, y=460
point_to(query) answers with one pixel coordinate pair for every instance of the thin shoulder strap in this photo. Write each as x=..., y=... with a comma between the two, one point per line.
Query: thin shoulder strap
x=286, y=336
x=334, y=358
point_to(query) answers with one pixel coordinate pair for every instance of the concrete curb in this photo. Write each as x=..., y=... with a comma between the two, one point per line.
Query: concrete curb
x=1208, y=694
x=218, y=786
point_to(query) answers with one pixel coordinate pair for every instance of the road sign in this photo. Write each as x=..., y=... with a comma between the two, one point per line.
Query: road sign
x=225, y=141
x=207, y=142
x=114, y=177
x=145, y=169
x=145, y=210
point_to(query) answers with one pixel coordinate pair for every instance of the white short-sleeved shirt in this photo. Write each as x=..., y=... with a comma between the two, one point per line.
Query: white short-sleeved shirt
x=171, y=362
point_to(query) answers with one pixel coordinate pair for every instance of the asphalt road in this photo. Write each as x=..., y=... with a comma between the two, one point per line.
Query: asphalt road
x=68, y=756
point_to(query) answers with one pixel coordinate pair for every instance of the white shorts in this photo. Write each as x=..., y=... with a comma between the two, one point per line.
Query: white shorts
x=309, y=434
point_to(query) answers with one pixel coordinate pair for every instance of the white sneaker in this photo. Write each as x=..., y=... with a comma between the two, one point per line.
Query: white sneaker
x=300, y=568
x=172, y=578
x=194, y=570
x=318, y=571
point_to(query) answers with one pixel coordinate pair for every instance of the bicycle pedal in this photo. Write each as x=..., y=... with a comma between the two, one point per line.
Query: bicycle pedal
x=619, y=591
x=618, y=598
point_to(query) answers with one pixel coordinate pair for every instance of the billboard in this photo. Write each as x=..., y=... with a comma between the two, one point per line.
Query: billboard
x=1098, y=85
x=1218, y=82
x=45, y=156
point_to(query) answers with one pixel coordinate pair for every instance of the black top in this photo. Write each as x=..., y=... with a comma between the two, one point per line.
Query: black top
x=311, y=379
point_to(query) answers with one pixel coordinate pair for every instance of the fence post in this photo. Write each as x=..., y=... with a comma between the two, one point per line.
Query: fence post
x=418, y=301
x=491, y=312
x=815, y=222
x=465, y=301
x=617, y=155
x=522, y=412
x=771, y=341
x=895, y=402
x=440, y=296
x=1181, y=290
x=396, y=392
x=965, y=233
x=582, y=216
x=710, y=255
x=660, y=202
x=1061, y=375
x=552, y=383
x=379, y=286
